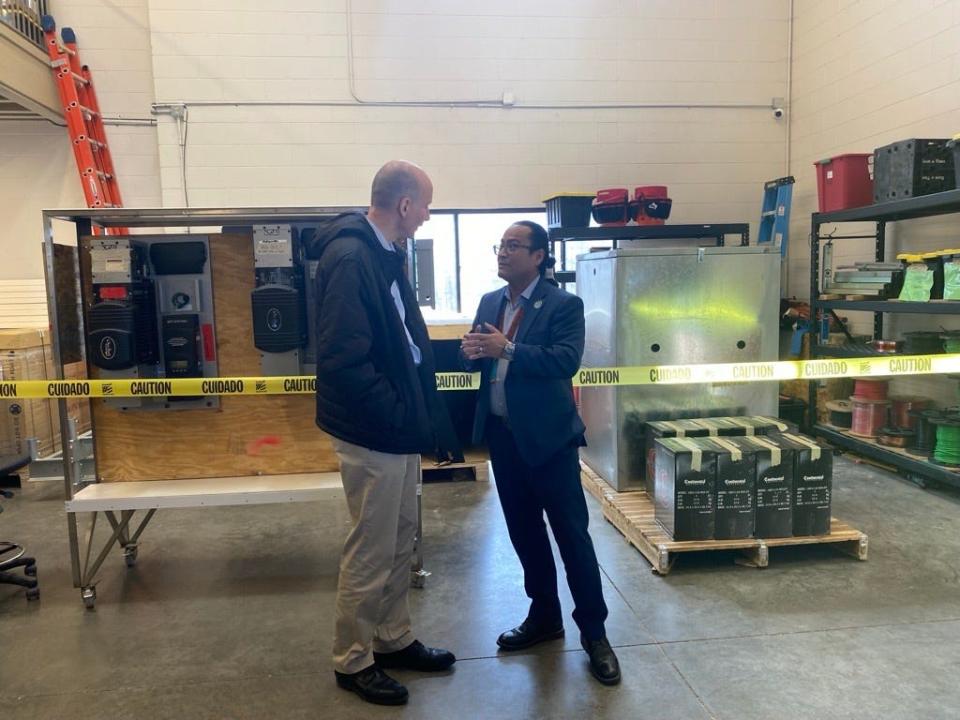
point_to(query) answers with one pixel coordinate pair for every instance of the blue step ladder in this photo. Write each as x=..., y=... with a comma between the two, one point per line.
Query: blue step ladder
x=775, y=213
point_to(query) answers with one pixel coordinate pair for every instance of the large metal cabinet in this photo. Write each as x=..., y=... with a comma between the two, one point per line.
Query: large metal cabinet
x=670, y=307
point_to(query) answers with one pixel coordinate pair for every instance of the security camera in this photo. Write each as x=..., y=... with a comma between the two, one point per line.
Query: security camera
x=778, y=112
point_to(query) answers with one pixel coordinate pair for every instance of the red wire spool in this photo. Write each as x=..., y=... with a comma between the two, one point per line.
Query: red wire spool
x=901, y=407
x=870, y=389
x=868, y=416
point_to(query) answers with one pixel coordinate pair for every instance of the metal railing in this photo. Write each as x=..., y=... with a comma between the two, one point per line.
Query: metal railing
x=24, y=17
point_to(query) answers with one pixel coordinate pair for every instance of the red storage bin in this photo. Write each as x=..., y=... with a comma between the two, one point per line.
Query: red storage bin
x=610, y=207
x=844, y=182
x=651, y=205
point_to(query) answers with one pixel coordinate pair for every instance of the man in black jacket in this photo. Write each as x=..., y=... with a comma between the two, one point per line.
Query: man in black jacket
x=376, y=397
x=527, y=343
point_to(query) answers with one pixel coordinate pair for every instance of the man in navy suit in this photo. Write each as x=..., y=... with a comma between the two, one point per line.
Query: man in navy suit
x=527, y=344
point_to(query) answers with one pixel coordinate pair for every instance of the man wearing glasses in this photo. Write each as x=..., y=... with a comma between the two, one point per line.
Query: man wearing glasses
x=527, y=343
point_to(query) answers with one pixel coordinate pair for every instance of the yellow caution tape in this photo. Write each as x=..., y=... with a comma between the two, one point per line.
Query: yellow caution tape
x=586, y=377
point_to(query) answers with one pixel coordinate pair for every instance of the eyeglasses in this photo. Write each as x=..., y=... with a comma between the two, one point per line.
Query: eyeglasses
x=509, y=247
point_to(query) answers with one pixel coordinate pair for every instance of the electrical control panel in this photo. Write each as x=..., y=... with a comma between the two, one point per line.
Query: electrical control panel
x=279, y=300
x=150, y=314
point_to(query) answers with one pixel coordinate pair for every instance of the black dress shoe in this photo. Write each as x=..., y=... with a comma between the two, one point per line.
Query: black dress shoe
x=416, y=656
x=603, y=662
x=374, y=686
x=528, y=634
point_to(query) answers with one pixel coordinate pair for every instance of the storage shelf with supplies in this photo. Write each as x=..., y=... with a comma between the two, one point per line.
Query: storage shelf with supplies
x=943, y=203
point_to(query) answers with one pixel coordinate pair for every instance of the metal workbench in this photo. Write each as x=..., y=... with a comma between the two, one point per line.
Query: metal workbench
x=120, y=502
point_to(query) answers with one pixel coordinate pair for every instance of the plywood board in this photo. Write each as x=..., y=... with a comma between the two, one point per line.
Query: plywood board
x=447, y=332
x=246, y=435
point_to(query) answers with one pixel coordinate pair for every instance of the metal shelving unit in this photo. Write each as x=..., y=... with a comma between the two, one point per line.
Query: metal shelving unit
x=944, y=203
x=717, y=232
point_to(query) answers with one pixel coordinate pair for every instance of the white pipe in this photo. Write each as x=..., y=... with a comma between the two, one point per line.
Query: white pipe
x=789, y=107
x=162, y=107
x=788, y=150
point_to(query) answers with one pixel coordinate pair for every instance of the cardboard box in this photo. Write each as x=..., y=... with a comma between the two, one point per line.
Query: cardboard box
x=736, y=488
x=27, y=355
x=685, y=487
x=774, y=496
x=23, y=339
x=26, y=418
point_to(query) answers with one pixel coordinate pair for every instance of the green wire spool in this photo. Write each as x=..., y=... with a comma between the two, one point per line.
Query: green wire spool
x=947, y=449
x=951, y=342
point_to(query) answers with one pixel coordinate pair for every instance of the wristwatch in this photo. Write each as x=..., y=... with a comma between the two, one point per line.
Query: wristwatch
x=508, y=350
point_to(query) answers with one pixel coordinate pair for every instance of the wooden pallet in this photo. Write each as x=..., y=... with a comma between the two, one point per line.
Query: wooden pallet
x=632, y=513
x=475, y=467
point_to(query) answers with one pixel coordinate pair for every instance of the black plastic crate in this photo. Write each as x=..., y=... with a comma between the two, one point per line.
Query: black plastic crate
x=569, y=210
x=910, y=168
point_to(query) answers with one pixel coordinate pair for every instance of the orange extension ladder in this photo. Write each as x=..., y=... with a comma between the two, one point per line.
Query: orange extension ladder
x=84, y=120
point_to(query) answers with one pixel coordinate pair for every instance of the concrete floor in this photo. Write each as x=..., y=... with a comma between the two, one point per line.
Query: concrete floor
x=228, y=615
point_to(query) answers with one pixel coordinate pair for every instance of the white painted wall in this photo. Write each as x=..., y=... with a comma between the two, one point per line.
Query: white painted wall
x=865, y=74
x=544, y=52
x=37, y=168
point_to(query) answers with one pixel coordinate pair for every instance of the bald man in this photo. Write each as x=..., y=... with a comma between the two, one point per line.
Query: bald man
x=376, y=397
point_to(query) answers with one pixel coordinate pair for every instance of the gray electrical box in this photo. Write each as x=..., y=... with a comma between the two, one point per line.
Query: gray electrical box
x=150, y=314
x=673, y=306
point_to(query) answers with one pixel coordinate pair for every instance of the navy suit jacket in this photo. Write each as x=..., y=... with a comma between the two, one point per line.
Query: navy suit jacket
x=540, y=405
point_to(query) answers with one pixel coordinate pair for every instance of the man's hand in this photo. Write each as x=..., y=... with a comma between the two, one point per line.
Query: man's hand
x=489, y=344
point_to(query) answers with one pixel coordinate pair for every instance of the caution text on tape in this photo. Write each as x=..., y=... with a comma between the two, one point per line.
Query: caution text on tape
x=585, y=377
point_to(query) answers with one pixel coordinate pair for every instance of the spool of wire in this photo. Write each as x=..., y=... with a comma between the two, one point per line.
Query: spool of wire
x=925, y=437
x=947, y=450
x=870, y=390
x=951, y=342
x=895, y=437
x=901, y=410
x=868, y=416
x=841, y=413
x=922, y=342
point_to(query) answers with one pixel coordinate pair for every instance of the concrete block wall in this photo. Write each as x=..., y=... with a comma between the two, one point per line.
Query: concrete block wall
x=549, y=53
x=37, y=168
x=866, y=74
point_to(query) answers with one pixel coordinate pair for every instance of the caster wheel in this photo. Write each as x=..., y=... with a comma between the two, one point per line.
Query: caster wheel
x=89, y=595
x=30, y=570
x=130, y=556
x=33, y=593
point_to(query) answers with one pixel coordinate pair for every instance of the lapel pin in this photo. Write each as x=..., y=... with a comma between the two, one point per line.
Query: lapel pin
x=538, y=304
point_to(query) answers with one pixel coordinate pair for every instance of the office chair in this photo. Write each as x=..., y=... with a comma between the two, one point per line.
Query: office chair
x=13, y=556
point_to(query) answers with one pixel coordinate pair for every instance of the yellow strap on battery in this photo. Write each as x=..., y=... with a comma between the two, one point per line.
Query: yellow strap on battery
x=745, y=424
x=696, y=454
x=676, y=427
x=736, y=454
x=710, y=427
x=770, y=421
x=776, y=454
x=815, y=449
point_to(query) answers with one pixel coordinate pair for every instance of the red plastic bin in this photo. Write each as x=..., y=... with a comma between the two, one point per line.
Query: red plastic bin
x=844, y=182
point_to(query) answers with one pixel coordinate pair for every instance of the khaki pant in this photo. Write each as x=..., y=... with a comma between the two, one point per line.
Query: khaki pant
x=372, y=611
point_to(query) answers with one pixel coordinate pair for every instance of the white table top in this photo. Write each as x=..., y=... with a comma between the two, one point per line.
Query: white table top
x=206, y=492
